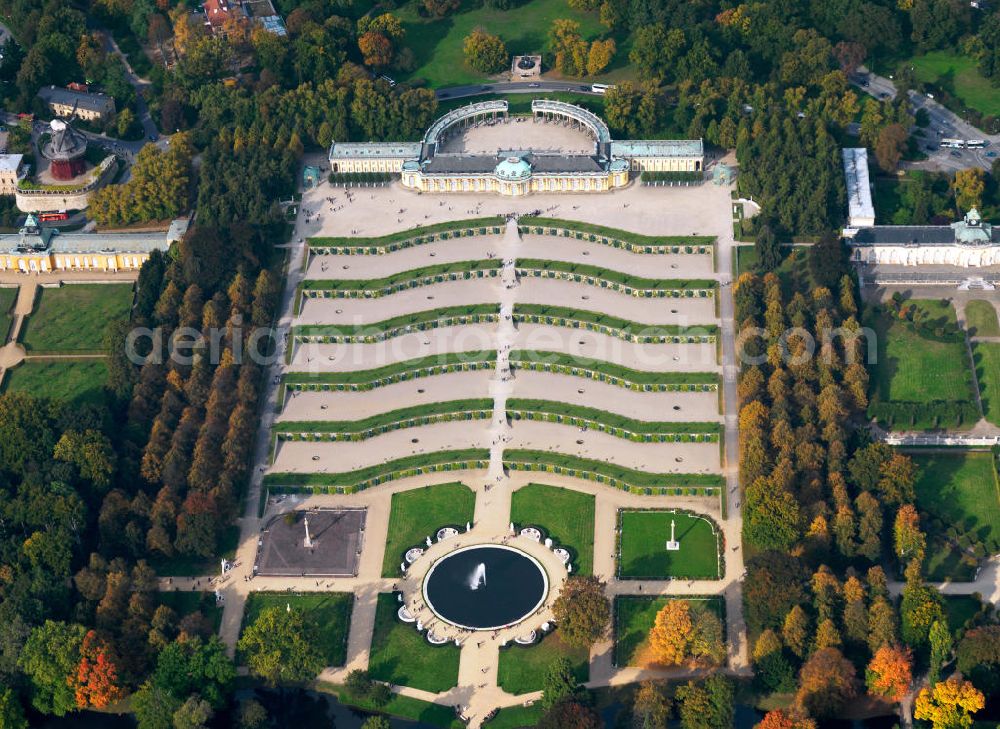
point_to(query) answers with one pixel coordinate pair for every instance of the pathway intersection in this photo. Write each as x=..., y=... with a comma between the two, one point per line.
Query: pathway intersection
x=477, y=691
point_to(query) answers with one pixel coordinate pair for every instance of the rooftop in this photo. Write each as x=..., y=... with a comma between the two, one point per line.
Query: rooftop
x=658, y=148
x=83, y=99
x=374, y=150
x=10, y=162
x=861, y=210
x=502, y=164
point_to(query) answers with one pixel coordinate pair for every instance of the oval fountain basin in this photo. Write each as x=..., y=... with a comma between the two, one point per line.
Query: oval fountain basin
x=485, y=587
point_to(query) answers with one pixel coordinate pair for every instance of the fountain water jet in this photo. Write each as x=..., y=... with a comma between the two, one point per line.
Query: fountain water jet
x=478, y=577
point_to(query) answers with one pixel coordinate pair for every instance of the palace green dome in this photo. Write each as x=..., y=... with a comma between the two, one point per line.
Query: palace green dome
x=513, y=168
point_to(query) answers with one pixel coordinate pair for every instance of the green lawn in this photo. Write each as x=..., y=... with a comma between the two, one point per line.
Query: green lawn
x=986, y=355
x=644, y=535
x=437, y=43
x=404, y=707
x=566, y=516
x=73, y=318
x=959, y=489
x=960, y=609
x=70, y=380
x=522, y=668
x=960, y=76
x=8, y=297
x=187, y=565
x=981, y=319
x=419, y=513
x=517, y=717
x=634, y=617
x=330, y=612
x=402, y=656
x=912, y=368
x=186, y=603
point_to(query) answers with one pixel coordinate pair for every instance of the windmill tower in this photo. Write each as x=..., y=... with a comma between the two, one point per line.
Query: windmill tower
x=65, y=149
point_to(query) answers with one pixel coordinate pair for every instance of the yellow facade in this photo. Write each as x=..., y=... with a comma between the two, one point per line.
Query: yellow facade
x=666, y=164
x=416, y=180
x=43, y=262
x=347, y=165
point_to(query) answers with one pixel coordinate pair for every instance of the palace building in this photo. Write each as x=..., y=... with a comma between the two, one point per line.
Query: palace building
x=41, y=250
x=967, y=243
x=422, y=166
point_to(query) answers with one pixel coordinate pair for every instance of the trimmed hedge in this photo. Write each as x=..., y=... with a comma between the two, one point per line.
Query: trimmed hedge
x=626, y=479
x=407, y=238
x=613, y=326
x=615, y=237
x=349, y=482
x=607, y=278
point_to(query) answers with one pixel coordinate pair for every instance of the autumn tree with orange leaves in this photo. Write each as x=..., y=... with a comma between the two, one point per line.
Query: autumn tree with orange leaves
x=890, y=672
x=96, y=680
x=780, y=719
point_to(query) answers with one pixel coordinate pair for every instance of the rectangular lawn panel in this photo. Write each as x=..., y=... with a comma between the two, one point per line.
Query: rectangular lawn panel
x=330, y=612
x=986, y=355
x=912, y=368
x=8, y=297
x=404, y=707
x=566, y=516
x=186, y=603
x=402, y=656
x=69, y=380
x=959, y=491
x=644, y=555
x=634, y=617
x=522, y=668
x=981, y=319
x=74, y=318
x=418, y=514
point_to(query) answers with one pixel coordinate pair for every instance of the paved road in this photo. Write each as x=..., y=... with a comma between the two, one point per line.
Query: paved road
x=149, y=129
x=943, y=124
x=516, y=87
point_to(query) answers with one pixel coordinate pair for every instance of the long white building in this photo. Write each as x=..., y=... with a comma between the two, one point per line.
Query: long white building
x=423, y=167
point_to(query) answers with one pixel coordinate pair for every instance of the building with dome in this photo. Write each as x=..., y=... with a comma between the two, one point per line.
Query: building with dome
x=969, y=243
x=423, y=167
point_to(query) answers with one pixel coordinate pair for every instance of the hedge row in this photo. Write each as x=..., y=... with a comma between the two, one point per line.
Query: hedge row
x=614, y=236
x=348, y=246
x=924, y=415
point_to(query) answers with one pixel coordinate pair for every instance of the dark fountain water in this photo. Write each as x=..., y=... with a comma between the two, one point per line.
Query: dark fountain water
x=485, y=587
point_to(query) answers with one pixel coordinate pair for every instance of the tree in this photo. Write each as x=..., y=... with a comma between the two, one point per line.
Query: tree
x=882, y=626
x=671, y=633
x=890, y=673
x=49, y=659
x=969, y=185
x=655, y=50
x=376, y=49
x=96, y=680
x=570, y=714
x=796, y=631
x=11, y=712
x=599, y=56
x=650, y=708
x=706, y=705
x=376, y=722
x=582, y=611
x=909, y=541
x=826, y=683
x=440, y=8
x=191, y=665
x=252, y=715
x=91, y=452
x=559, y=682
x=194, y=713
x=950, y=704
x=768, y=249
x=890, y=146
x=941, y=645
x=978, y=656
x=281, y=647
x=920, y=607
x=827, y=262
x=568, y=46
x=780, y=719
x=154, y=707
x=484, y=51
